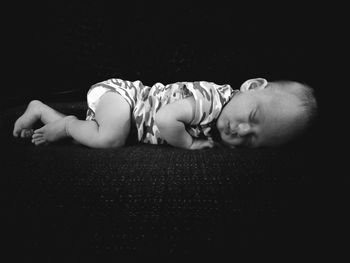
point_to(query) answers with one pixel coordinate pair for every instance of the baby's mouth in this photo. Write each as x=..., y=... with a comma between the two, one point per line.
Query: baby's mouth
x=228, y=131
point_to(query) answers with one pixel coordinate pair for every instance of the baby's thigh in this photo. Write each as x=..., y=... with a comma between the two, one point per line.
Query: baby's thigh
x=113, y=115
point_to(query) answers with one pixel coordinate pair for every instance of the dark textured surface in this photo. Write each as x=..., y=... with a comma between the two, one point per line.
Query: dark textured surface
x=75, y=202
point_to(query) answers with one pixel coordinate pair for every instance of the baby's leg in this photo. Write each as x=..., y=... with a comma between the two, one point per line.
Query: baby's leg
x=36, y=110
x=111, y=128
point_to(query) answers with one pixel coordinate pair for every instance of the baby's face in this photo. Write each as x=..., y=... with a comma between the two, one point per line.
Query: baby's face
x=258, y=118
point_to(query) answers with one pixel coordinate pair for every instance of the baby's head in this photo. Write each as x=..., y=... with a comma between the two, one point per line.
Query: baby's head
x=267, y=114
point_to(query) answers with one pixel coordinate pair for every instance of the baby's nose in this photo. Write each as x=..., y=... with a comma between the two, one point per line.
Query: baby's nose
x=243, y=129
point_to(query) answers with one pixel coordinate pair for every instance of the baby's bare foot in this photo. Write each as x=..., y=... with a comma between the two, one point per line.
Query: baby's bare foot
x=51, y=132
x=24, y=124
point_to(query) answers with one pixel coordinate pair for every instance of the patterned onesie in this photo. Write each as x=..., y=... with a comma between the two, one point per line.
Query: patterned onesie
x=145, y=101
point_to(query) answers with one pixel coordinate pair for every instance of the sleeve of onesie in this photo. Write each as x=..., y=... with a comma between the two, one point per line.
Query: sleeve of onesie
x=208, y=100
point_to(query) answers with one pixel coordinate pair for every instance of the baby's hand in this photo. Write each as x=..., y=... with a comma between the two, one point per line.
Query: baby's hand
x=199, y=144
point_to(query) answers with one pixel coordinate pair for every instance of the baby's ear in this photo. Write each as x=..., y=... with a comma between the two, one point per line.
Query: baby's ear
x=253, y=84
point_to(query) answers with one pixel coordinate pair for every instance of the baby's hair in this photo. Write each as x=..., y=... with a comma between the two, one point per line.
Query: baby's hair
x=306, y=96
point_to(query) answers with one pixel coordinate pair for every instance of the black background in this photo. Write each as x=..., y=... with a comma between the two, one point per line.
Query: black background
x=58, y=49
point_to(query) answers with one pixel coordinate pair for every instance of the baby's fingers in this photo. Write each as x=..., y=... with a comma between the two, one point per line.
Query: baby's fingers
x=209, y=144
x=201, y=144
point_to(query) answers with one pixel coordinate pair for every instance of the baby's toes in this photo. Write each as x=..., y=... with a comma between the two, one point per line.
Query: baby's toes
x=38, y=141
x=40, y=130
x=37, y=136
x=26, y=133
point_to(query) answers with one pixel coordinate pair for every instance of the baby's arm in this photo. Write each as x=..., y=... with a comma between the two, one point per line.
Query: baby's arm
x=171, y=121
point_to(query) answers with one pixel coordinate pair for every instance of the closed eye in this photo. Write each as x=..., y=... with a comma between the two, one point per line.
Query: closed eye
x=253, y=116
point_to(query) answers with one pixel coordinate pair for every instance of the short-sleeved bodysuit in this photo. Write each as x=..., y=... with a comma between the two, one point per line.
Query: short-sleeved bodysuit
x=145, y=101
